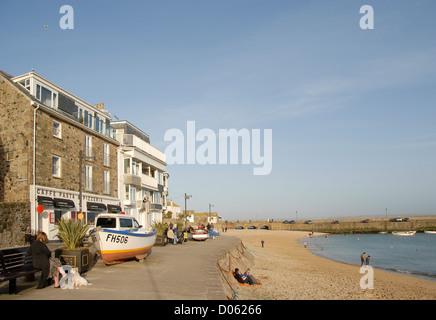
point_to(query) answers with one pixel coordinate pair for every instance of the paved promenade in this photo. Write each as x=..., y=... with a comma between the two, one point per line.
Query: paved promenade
x=173, y=272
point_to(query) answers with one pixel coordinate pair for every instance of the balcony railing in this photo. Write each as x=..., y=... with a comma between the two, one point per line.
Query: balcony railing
x=134, y=141
x=95, y=123
x=149, y=181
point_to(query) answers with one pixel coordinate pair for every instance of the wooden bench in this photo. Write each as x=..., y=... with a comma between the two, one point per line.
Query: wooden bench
x=15, y=263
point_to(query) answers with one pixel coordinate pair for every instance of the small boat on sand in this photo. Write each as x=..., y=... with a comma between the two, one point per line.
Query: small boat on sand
x=119, y=237
x=199, y=234
x=403, y=233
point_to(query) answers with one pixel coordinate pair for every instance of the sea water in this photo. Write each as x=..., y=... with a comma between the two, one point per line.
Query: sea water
x=412, y=255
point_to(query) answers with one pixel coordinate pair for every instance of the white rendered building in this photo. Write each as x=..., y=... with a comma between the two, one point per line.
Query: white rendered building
x=142, y=176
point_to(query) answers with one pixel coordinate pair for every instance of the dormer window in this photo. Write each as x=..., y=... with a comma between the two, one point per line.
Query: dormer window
x=26, y=84
x=46, y=96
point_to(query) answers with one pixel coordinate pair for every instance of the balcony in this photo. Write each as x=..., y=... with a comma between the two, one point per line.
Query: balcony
x=155, y=206
x=131, y=140
x=132, y=179
x=149, y=181
x=140, y=181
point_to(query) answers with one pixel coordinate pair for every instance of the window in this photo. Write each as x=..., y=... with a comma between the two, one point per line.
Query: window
x=127, y=165
x=130, y=192
x=106, y=155
x=144, y=194
x=106, y=182
x=132, y=167
x=46, y=96
x=26, y=84
x=57, y=129
x=90, y=119
x=88, y=178
x=106, y=222
x=56, y=166
x=88, y=147
x=136, y=167
x=86, y=118
x=10, y=156
x=157, y=198
x=126, y=223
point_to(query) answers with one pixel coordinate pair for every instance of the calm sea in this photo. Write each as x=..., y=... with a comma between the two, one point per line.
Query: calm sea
x=413, y=255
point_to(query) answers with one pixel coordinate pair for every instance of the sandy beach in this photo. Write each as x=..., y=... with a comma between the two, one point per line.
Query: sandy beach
x=288, y=271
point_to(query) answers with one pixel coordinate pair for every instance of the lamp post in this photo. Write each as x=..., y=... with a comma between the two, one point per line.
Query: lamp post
x=210, y=205
x=186, y=211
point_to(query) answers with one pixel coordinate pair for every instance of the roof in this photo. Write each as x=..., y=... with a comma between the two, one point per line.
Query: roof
x=130, y=129
x=18, y=86
x=172, y=204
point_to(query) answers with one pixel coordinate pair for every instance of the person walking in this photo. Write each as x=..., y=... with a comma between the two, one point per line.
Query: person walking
x=262, y=242
x=362, y=259
x=367, y=260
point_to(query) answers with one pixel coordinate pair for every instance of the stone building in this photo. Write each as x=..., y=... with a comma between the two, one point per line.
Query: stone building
x=58, y=157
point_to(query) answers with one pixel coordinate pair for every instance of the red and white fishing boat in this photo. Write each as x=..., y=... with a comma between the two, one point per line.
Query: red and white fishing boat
x=118, y=238
x=199, y=234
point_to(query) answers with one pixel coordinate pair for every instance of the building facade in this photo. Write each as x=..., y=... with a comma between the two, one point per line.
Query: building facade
x=173, y=210
x=142, y=176
x=58, y=158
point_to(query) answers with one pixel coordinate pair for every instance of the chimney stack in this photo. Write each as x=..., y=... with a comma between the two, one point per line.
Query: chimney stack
x=99, y=106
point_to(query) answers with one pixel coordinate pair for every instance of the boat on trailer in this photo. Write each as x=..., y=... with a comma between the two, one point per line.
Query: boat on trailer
x=119, y=237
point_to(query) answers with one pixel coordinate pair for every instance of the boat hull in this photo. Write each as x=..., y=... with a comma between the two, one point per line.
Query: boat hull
x=403, y=233
x=199, y=235
x=429, y=231
x=118, y=246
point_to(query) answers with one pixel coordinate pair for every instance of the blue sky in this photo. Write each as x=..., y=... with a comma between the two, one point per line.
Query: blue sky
x=352, y=111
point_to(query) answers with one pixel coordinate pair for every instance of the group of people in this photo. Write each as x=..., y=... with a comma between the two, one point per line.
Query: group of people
x=364, y=259
x=245, y=277
x=174, y=233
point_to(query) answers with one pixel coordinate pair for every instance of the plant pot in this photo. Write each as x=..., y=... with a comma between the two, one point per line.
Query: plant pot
x=78, y=258
x=161, y=240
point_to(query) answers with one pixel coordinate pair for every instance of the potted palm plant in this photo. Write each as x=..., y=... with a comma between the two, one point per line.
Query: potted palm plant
x=161, y=238
x=72, y=234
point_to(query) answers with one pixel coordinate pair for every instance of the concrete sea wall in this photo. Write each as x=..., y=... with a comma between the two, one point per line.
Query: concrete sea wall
x=344, y=225
x=236, y=256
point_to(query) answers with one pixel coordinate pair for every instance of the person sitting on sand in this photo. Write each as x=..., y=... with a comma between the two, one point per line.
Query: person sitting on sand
x=251, y=277
x=241, y=278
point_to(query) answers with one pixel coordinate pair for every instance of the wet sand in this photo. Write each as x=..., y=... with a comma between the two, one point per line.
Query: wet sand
x=288, y=271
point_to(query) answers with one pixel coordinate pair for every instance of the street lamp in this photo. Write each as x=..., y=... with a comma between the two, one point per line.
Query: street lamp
x=186, y=211
x=210, y=205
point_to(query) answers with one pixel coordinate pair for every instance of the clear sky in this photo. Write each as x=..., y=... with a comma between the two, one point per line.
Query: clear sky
x=352, y=111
